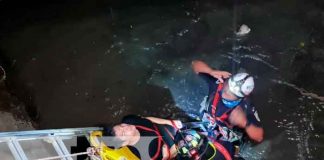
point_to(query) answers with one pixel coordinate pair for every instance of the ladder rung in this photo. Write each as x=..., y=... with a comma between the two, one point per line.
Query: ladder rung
x=63, y=147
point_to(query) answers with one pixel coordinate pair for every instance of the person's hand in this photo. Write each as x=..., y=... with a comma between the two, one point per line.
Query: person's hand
x=177, y=124
x=165, y=153
x=92, y=151
x=220, y=75
x=255, y=133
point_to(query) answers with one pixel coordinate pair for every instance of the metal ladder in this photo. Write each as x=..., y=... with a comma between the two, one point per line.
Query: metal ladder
x=20, y=145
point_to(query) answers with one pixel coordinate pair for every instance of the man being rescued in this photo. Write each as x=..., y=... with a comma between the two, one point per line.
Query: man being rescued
x=161, y=139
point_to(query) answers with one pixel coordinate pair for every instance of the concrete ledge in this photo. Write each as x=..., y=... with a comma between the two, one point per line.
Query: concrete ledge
x=9, y=123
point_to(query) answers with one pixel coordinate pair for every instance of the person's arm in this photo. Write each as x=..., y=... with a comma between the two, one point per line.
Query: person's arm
x=201, y=67
x=238, y=118
x=169, y=155
x=175, y=123
x=255, y=132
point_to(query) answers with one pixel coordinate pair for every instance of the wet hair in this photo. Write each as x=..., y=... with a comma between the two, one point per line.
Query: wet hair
x=108, y=129
x=115, y=142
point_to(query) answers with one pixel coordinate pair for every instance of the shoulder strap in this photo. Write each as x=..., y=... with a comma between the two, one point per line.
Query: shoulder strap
x=217, y=97
x=216, y=100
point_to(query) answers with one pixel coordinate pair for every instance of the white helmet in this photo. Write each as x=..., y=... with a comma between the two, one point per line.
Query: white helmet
x=241, y=84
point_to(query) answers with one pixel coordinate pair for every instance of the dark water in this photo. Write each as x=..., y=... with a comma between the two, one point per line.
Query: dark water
x=85, y=63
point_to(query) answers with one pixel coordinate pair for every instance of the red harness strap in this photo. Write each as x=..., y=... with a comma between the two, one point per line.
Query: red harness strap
x=222, y=118
x=216, y=100
x=169, y=133
x=160, y=140
x=172, y=137
x=174, y=125
x=225, y=115
x=222, y=150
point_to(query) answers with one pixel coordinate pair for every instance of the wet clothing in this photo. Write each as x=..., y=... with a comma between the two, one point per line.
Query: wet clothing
x=151, y=134
x=221, y=109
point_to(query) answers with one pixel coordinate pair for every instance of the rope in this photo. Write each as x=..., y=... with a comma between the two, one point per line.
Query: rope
x=236, y=56
x=71, y=155
x=2, y=74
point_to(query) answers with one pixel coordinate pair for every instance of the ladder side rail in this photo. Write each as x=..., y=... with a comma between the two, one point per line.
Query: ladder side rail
x=66, y=131
x=13, y=150
x=19, y=149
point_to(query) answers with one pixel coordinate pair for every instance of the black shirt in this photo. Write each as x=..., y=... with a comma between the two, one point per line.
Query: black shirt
x=148, y=143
